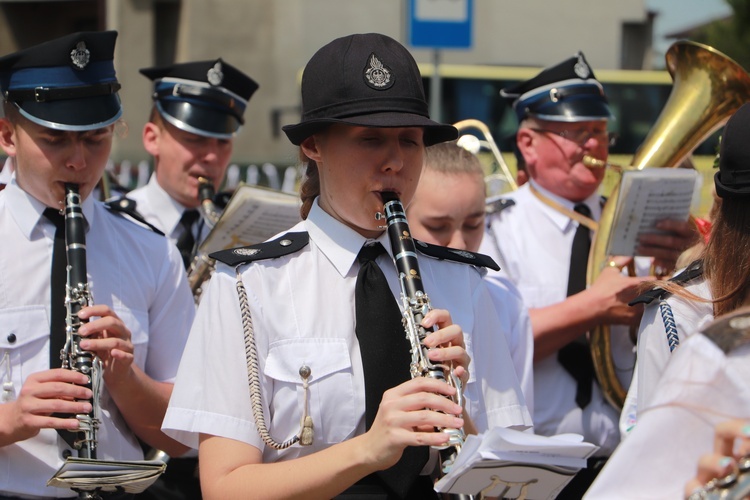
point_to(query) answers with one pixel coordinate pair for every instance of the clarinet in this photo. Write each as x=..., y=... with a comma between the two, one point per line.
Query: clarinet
x=734, y=486
x=78, y=296
x=416, y=305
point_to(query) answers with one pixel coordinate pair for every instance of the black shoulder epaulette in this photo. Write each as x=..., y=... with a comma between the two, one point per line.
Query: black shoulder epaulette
x=498, y=205
x=127, y=206
x=691, y=272
x=729, y=332
x=283, y=245
x=446, y=253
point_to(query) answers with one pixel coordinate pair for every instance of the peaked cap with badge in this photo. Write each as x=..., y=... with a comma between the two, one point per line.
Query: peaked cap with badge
x=207, y=98
x=733, y=178
x=566, y=92
x=369, y=80
x=68, y=83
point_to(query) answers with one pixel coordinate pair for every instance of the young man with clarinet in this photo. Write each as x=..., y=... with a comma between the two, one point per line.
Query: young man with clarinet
x=85, y=292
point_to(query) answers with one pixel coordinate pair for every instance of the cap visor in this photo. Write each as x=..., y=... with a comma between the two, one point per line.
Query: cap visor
x=201, y=120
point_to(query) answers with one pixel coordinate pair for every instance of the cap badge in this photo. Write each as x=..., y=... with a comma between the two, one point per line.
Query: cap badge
x=215, y=75
x=80, y=55
x=246, y=252
x=377, y=75
x=581, y=68
x=463, y=253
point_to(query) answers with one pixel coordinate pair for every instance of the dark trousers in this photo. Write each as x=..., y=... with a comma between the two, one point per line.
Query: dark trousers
x=179, y=482
x=578, y=486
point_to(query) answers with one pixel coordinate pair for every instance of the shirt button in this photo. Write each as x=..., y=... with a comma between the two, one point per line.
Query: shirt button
x=12, y=338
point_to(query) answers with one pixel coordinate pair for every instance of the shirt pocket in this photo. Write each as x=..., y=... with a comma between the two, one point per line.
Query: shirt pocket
x=137, y=322
x=24, y=346
x=330, y=393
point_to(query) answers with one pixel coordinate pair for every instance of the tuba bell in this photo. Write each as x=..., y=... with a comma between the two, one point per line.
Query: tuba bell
x=708, y=87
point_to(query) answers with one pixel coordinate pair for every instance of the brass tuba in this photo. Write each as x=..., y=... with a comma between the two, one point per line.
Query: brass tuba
x=708, y=88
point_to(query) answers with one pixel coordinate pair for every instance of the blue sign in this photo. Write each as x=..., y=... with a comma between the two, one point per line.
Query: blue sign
x=440, y=24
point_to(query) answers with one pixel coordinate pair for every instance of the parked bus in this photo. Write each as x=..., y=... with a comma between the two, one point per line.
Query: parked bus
x=636, y=99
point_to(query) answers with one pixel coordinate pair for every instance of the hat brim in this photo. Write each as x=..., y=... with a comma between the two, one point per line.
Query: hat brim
x=572, y=110
x=434, y=132
x=725, y=191
x=201, y=120
x=87, y=113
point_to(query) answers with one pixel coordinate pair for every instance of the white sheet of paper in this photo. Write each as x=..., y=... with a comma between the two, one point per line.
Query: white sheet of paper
x=253, y=215
x=539, y=466
x=646, y=197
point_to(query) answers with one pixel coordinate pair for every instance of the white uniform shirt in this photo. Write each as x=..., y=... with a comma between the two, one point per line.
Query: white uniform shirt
x=653, y=348
x=161, y=210
x=516, y=324
x=532, y=243
x=303, y=313
x=700, y=387
x=131, y=269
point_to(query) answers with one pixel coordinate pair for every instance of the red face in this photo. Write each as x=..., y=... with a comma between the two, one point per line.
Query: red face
x=356, y=164
x=47, y=159
x=182, y=157
x=554, y=154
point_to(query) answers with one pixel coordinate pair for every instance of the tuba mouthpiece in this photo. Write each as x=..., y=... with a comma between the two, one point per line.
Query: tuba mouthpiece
x=592, y=162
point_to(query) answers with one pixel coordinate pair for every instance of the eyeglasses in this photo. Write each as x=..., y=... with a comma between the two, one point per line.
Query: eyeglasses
x=581, y=137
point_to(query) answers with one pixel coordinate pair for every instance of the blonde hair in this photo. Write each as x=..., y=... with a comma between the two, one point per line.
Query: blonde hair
x=450, y=158
x=310, y=187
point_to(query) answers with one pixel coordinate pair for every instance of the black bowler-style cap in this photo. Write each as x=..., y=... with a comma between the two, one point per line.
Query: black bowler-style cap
x=369, y=80
x=733, y=178
x=203, y=97
x=68, y=83
x=566, y=92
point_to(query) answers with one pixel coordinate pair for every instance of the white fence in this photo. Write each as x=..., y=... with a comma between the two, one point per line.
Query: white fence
x=131, y=176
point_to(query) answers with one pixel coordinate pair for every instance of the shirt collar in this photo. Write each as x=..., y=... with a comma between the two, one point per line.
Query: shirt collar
x=166, y=209
x=338, y=242
x=561, y=220
x=7, y=171
x=27, y=211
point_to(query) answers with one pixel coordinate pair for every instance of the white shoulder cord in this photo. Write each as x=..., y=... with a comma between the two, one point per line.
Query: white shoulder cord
x=9, y=392
x=305, y=434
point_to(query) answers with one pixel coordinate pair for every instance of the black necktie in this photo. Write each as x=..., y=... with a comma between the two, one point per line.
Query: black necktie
x=186, y=241
x=58, y=279
x=576, y=356
x=385, y=358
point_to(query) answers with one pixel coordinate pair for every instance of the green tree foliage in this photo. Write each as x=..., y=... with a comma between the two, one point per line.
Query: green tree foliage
x=732, y=35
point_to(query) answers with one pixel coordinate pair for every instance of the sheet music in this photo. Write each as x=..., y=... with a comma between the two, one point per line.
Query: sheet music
x=105, y=475
x=510, y=463
x=646, y=197
x=253, y=215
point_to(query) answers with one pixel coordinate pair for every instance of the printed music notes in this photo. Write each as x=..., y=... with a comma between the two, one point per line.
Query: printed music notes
x=253, y=215
x=646, y=197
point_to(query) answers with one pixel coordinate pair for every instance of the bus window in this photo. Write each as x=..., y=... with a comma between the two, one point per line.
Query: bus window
x=636, y=98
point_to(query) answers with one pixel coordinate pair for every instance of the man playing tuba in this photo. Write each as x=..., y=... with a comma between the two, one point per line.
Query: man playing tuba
x=541, y=240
